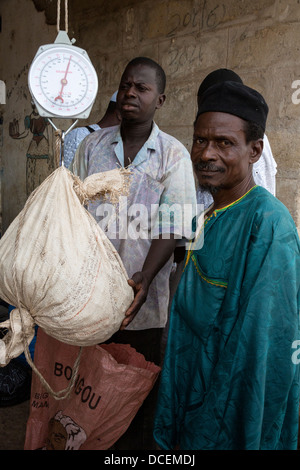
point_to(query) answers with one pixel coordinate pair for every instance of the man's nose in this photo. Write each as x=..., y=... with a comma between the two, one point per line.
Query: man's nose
x=208, y=152
x=130, y=91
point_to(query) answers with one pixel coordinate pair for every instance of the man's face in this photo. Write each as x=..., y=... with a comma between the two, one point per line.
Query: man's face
x=220, y=155
x=138, y=95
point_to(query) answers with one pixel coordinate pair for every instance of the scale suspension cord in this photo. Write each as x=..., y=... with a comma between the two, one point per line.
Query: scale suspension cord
x=58, y=15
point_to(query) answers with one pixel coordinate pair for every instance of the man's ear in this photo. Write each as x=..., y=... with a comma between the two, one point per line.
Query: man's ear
x=257, y=147
x=160, y=100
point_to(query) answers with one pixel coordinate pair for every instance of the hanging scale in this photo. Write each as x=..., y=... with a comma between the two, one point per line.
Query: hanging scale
x=62, y=80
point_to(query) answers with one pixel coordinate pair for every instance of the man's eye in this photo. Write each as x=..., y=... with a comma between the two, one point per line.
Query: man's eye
x=198, y=140
x=224, y=143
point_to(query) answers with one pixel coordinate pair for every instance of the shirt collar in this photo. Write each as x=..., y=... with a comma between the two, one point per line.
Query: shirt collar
x=152, y=139
x=142, y=155
x=116, y=137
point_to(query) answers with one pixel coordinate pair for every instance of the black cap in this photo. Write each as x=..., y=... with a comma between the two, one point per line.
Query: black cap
x=218, y=76
x=237, y=99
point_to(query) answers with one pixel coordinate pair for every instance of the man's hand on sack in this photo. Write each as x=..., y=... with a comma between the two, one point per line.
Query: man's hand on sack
x=140, y=284
x=159, y=253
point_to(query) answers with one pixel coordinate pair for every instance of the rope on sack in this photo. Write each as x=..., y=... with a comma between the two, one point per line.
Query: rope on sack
x=58, y=132
x=57, y=148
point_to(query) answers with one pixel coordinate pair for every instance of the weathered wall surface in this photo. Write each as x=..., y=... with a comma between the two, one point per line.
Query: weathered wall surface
x=259, y=39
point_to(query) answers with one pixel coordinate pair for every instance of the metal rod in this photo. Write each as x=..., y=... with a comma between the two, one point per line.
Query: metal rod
x=68, y=130
x=71, y=127
x=52, y=124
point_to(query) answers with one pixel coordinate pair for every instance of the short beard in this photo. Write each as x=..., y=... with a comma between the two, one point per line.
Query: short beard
x=212, y=189
x=209, y=167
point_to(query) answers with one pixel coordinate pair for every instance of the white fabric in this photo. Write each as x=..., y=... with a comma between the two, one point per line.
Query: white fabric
x=265, y=169
x=70, y=280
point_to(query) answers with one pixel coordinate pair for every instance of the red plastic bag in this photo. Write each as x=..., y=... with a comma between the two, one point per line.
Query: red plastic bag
x=113, y=381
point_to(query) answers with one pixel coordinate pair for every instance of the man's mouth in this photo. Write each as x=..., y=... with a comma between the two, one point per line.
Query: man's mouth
x=207, y=169
x=128, y=106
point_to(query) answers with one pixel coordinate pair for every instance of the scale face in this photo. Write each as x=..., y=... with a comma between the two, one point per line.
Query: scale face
x=62, y=81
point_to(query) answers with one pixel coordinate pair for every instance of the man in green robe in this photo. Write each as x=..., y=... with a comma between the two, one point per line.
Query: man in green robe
x=230, y=378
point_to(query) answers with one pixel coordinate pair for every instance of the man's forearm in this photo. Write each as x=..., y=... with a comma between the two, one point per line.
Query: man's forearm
x=159, y=253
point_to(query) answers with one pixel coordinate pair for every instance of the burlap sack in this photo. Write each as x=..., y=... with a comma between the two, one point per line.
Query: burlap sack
x=58, y=268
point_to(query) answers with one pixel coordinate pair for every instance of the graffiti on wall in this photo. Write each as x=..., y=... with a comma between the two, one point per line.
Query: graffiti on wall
x=33, y=130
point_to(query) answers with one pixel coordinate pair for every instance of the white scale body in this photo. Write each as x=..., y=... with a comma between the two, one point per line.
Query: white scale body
x=62, y=80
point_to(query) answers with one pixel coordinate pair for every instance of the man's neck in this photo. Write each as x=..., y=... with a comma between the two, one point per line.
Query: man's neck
x=108, y=121
x=136, y=132
x=134, y=136
x=224, y=197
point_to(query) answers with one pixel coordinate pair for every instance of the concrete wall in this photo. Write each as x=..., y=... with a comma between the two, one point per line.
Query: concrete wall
x=259, y=39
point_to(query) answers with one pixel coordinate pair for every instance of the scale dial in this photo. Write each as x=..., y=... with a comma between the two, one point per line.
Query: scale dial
x=63, y=82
